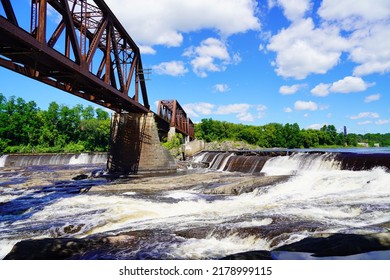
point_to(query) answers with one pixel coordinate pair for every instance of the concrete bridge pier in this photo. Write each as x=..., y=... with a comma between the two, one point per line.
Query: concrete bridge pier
x=135, y=146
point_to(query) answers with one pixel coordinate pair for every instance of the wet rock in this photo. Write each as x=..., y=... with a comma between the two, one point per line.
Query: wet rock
x=127, y=245
x=251, y=255
x=50, y=249
x=70, y=248
x=198, y=233
x=172, y=182
x=340, y=244
x=70, y=229
x=98, y=173
x=80, y=177
x=246, y=185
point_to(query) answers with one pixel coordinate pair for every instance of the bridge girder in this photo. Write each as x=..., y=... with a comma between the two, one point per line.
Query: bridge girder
x=173, y=113
x=89, y=53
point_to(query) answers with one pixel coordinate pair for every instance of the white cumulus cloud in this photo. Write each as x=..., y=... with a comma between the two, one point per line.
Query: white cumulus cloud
x=172, y=68
x=232, y=108
x=346, y=85
x=302, y=49
x=345, y=10
x=368, y=22
x=163, y=22
x=356, y=28
x=364, y=115
x=305, y=105
x=371, y=51
x=350, y=84
x=211, y=56
x=146, y=49
x=221, y=88
x=294, y=9
x=196, y=109
x=286, y=90
x=321, y=90
x=371, y=98
x=244, y=112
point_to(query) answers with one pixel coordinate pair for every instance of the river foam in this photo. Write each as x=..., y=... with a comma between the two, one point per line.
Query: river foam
x=319, y=197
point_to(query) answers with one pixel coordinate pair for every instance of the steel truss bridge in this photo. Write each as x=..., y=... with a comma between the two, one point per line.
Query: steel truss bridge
x=88, y=54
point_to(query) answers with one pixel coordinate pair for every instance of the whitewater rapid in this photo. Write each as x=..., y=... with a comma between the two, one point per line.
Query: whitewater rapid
x=318, y=197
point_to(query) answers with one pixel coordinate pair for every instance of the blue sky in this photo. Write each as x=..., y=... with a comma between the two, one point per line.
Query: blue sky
x=256, y=62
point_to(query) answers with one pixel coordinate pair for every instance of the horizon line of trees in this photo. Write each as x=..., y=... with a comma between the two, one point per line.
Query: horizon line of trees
x=25, y=128
x=284, y=136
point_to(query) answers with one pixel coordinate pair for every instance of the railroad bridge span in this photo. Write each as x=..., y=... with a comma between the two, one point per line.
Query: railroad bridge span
x=90, y=54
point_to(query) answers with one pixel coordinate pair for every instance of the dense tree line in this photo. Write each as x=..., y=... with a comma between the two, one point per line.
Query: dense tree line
x=26, y=128
x=283, y=136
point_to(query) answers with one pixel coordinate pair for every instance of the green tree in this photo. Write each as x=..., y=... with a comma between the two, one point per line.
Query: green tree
x=292, y=136
x=94, y=134
x=248, y=134
x=102, y=115
x=69, y=122
x=273, y=134
x=352, y=140
x=310, y=138
x=210, y=130
x=87, y=113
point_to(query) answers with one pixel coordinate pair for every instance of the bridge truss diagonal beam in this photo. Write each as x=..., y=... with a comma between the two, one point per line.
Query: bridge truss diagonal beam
x=88, y=54
x=173, y=113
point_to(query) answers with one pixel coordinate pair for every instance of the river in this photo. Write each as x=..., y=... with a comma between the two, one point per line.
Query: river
x=198, y=213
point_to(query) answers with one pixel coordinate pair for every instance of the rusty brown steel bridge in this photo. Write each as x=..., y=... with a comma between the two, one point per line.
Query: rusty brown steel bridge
x=88, y=54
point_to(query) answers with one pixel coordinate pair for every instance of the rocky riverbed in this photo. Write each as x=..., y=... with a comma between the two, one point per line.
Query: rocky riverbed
x=81, y=213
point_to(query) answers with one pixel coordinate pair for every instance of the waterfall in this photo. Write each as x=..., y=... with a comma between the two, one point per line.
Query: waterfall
x=219, y=160
x=16, y=160
x=3, y=159
x=284, y=163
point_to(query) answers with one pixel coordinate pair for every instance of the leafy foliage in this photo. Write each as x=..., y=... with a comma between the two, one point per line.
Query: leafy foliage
x=283, y=136
x=24, y=128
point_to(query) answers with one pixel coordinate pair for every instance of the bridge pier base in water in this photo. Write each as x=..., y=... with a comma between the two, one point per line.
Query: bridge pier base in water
x=135, y=146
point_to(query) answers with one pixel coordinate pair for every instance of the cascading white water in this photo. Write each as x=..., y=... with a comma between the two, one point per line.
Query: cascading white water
x=300, y=162
x=15, y=160
x=219, y=161
x=3, y=159
x=223, y=164
x=318, y=194
x=199, y=158
x=85, y=158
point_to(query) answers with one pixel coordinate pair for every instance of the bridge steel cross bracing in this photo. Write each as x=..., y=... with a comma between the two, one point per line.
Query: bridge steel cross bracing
x=88, y=54
x=172, y=112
